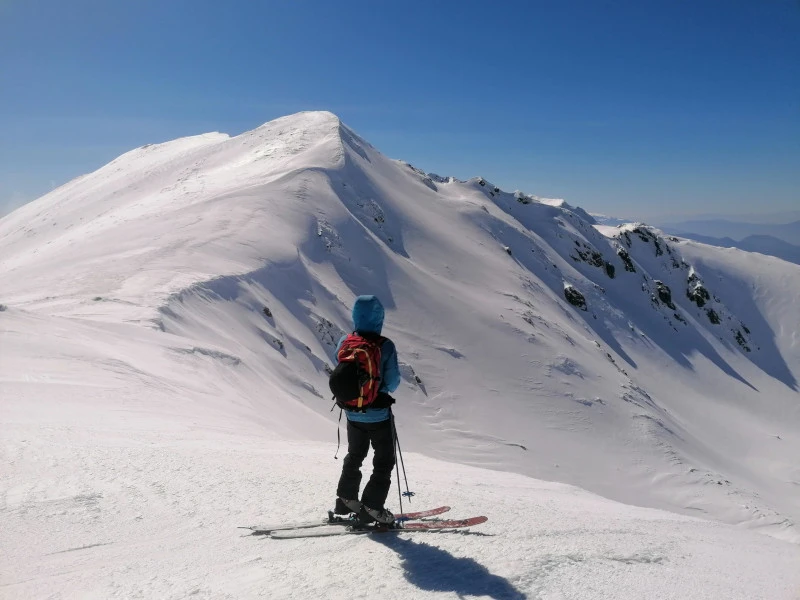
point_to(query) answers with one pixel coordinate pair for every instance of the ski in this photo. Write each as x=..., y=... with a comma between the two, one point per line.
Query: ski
x=433, y=525
x=421, y=514
x=398, y=527
x=265, y=529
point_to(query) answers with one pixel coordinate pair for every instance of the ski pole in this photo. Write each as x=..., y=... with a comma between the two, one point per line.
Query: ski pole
x=396, y=466
x=338, y=433
x=407, y=493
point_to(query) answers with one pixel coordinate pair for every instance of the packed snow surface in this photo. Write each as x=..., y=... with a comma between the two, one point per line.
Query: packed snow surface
x=622, y=405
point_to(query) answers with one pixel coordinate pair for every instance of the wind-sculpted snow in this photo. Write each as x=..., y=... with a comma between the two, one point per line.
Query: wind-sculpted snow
x=132, y=484
x=532, y=340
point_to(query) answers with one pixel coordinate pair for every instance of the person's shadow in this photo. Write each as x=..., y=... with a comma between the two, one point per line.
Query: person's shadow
x=436, y=570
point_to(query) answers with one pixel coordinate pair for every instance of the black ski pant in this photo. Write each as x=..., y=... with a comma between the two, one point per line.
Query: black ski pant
x=359, y=436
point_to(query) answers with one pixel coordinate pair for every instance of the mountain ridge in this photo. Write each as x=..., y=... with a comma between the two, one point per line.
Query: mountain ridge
x=525, y=329
x=763, y=244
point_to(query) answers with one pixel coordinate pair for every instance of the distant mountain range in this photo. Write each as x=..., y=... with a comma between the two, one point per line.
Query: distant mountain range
x=764, y=244
x=739, y=231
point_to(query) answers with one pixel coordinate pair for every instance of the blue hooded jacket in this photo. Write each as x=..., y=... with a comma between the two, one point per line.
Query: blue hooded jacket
x=368, y=318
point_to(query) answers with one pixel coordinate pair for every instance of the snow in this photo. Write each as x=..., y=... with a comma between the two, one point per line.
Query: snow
x=149, y=405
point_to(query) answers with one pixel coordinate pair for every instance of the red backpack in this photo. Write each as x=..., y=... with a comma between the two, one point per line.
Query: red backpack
x=356, y=379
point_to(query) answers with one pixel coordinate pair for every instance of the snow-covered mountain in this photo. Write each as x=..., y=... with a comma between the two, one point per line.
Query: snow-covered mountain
x=763, y=244
x=201, y=285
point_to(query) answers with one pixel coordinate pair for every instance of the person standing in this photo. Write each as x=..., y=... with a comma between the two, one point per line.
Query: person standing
x=369, y=422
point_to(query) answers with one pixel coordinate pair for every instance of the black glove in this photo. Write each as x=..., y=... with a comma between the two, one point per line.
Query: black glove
x=383, y=400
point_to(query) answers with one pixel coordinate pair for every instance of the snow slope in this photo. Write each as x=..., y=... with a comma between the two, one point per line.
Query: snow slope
x=169, y=323
x=129, y=460
x=763, y=244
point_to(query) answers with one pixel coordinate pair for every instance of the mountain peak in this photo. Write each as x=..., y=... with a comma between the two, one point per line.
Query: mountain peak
x=306, y=119
x=254, y=247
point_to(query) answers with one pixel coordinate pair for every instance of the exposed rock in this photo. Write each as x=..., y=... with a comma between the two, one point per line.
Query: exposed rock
x=327, y=333
x=267, y=312
x=596, y=259
x=664, y=294
x=439, y=178
x=742, y=341
x=626, y=258
x=522, y=198
x=590, y=256
x=698, y=294
x=407, y=371
x=429, y=183
x=627, y=237
x=376, y=211
x=644, y=234
x=329, y=236
x=713, y=316
x=574, y=297
x=610, y=270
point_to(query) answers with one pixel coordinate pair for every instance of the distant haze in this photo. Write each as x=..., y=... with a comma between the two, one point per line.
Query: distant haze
x=738, y=230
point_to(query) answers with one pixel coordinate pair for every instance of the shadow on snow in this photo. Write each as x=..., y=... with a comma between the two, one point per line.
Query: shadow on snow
x=436, y=570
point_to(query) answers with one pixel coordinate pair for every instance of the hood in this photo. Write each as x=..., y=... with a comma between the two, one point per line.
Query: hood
x=368, y=314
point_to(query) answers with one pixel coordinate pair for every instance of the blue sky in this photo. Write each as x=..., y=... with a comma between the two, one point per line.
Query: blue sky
x=634, y=108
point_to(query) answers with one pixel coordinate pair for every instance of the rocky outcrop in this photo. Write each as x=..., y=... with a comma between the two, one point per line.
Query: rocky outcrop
x=741, y=340
x=670, y=262
x=664, y=293
x=522, y=198
x=645, y=234
x=592, y=256
x=696, y=292
x=589, y=255
x=574, y=297
x=626, y=260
